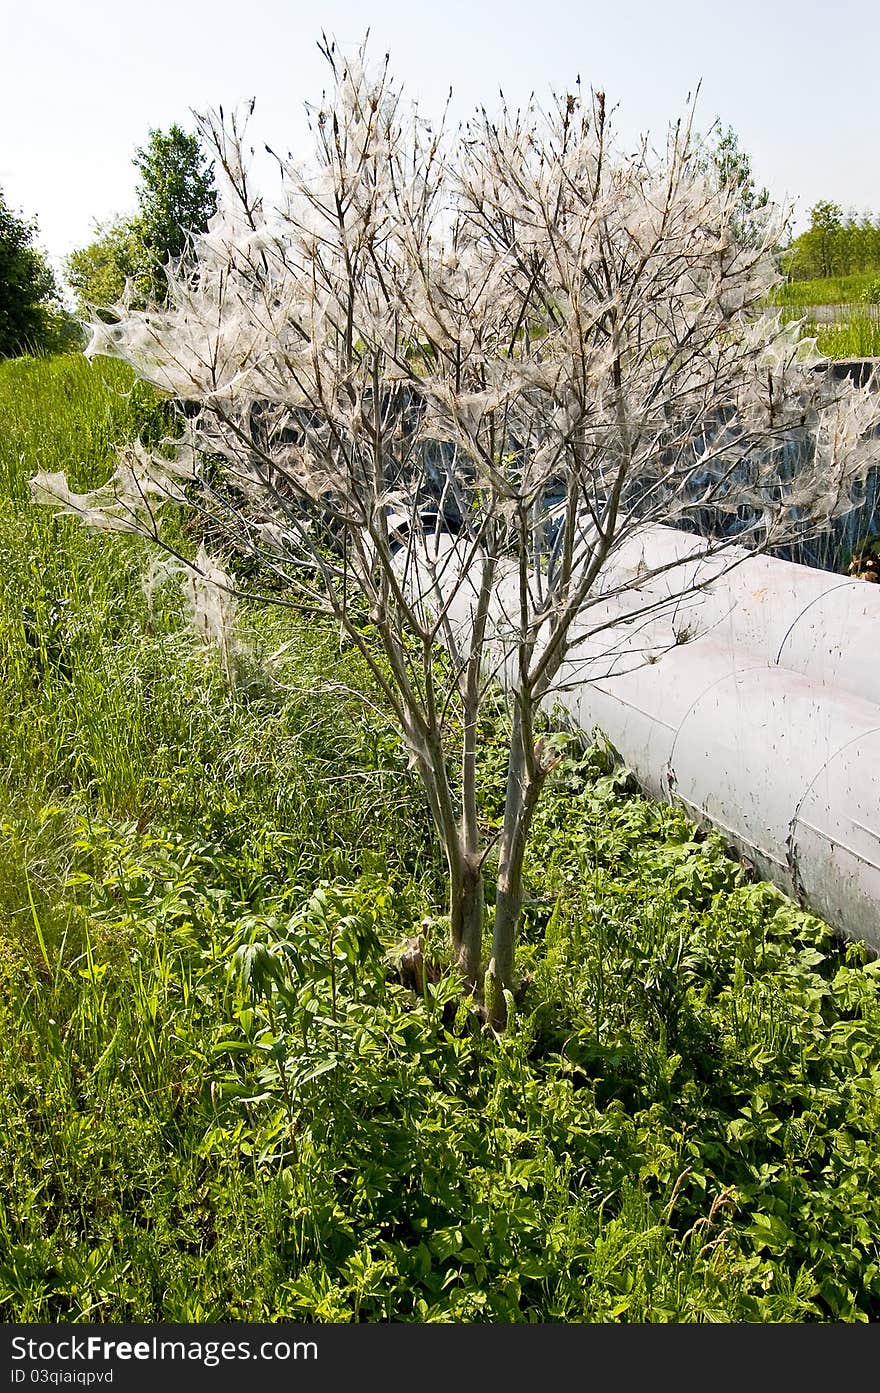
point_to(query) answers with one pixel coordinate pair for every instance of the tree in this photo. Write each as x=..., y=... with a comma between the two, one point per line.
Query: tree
x=32, y=317
x=817, y=251
x=732, y=166
x=834, y=244
x=546, y=343
x=176, y=198
x=826, y=223
x=100, y=273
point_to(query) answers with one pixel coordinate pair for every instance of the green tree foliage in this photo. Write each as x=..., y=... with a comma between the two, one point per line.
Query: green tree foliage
x=733, y=168
x=823, y=237
x=98, y=273
x=32, y=318
x=835, y=244
x=176, y=197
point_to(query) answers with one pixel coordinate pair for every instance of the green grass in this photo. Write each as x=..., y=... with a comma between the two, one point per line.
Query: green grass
x=858, y=337
x=219, y=1101
x=835, y=290
x=65, y=413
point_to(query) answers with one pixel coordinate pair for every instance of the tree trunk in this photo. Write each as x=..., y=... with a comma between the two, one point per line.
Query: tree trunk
x=466, y=898
x=466, y=911
x=508, y=912
x=524, y=786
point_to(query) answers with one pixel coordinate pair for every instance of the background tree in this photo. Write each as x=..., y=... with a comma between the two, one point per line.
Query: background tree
x=549, y=344
x=820, y=243
x=732, y=166
x=835, y=244
x=99, y=273
x=32, y=316
x=176, y=196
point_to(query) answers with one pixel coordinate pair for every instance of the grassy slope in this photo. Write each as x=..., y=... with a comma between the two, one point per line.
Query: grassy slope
x=219, y=1103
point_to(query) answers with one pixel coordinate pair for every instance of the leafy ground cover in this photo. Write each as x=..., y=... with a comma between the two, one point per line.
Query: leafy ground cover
x=220, y=1101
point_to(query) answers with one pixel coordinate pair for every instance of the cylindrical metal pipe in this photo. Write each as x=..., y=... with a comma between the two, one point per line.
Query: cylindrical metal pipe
x=783, y=765
x=821, y=625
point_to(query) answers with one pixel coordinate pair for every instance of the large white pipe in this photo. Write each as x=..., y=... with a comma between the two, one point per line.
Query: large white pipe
x=821, y=625
x=784, y=765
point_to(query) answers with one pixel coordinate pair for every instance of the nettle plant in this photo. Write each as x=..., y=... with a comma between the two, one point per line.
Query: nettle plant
x=450, y=364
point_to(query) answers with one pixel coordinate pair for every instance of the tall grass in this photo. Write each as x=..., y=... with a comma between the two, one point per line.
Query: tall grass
x=105, y=706
x=67, y=413
x=857, y=334
x=858, y=337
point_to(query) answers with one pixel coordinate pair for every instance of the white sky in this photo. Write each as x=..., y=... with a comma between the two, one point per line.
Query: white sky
x=81, y=84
